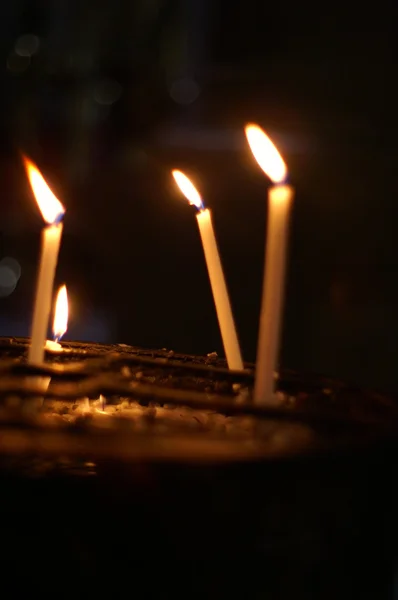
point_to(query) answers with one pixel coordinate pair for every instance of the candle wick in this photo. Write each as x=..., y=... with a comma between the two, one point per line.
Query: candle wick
x=58, y=218
x=198, y=209
x=285, y=181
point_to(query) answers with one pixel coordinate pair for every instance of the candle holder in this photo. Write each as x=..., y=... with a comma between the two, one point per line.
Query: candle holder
x=182, y=486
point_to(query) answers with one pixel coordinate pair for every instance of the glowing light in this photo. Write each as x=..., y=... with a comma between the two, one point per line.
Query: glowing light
x=188, y=189
x=8, y=280
x=12, y=264
x=50, y=207
x=101, y=412
x=266, y=153
x=107, y=91
x=27, y=44
x=61, y=314
x=184, y=91
x=16, y=63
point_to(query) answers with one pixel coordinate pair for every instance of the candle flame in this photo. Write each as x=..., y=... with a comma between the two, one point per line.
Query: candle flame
x=266, y=153
x=188, y=189
x=61, y=314
x=50, y=207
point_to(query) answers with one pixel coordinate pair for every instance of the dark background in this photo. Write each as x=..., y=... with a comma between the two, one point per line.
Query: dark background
x=107, y=97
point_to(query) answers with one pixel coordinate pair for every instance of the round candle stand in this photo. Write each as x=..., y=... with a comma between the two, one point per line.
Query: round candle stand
x=153, y=474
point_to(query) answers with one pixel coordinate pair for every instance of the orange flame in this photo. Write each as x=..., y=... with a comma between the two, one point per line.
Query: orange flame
x=61, y=314
x=266, y=153
x=50, y=207
x=188, y=189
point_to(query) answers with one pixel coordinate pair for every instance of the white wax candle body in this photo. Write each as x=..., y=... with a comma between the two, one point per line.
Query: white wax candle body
x=51, y=239
x=220, y=293
x=279, y=204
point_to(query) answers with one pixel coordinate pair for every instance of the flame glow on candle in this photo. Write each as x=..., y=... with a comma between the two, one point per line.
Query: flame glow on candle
x=188, y=189
x=60, y=324
x=50, y=207
x=266, y=153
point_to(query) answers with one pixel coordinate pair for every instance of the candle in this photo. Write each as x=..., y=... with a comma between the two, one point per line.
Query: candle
x=216, y=274
x=280, y=197
x=52, y=211
x=60, y=324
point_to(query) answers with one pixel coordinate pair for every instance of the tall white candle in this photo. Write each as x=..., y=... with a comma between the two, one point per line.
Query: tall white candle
x=52, y=211
x=216, y=274
x=280, y=197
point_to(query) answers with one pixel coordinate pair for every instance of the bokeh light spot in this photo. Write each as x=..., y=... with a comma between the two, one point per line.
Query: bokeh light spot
x=107, y=91
x=12, y=264
x=27, y=45
x=8, y=280
x=184, y=91
x=17, y=63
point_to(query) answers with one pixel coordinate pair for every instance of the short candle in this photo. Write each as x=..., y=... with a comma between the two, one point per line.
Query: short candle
x=60, y=323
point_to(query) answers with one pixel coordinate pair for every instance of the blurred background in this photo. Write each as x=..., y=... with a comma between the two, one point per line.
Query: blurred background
x=107, y=97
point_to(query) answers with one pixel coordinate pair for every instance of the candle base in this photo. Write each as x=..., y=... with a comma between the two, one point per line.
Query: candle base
x=193, y=510
x=52, y=346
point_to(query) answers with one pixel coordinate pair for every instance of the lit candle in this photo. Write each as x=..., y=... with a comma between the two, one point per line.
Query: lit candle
x=280, y=197
x=216, y=274
x=60, y=324
x=52, y=211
